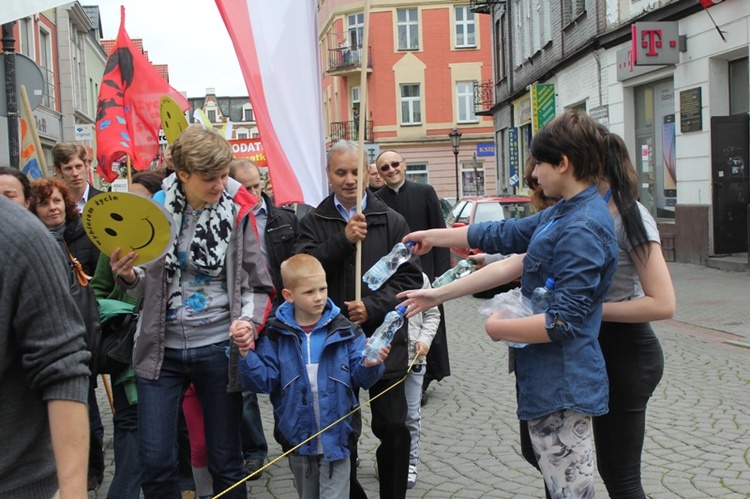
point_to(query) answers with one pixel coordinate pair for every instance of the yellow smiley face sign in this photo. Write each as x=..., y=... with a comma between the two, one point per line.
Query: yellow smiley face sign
x=130, y=222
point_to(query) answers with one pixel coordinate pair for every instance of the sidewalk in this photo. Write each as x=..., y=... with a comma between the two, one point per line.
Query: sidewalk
x=698, y=434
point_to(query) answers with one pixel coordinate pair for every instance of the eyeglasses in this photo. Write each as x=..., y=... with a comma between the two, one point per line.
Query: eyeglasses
x=392, y=164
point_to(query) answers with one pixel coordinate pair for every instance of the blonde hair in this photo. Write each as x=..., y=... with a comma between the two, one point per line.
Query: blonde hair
x=298, y=267
x=241, y=165
x=201, y=151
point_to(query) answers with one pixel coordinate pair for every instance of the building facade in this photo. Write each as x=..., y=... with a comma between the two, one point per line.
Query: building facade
x=685, y=121
x=427, y=62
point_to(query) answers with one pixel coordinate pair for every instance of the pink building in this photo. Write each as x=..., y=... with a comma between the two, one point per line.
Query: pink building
x=427, y=67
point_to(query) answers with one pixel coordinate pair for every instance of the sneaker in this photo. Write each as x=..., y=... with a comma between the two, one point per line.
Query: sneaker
x=252, y=465
x=411, y=481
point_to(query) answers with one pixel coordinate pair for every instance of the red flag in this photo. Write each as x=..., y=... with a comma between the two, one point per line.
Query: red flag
x=709, y=3
x=127, y=113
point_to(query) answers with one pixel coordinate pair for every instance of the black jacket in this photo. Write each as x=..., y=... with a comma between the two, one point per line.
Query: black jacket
x=280, y=234
x=322, y=236
x=80, y=246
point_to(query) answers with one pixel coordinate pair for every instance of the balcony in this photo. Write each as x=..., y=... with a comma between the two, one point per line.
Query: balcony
x=483, y=6
x=346, y=60
x=484, y=97
x=347, y=130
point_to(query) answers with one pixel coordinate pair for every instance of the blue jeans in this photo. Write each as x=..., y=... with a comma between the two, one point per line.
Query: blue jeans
x=254, y=445
x=126, y=484
x=159, y=403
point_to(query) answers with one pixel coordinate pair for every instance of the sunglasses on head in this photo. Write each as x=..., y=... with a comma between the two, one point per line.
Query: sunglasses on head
x=388, y=166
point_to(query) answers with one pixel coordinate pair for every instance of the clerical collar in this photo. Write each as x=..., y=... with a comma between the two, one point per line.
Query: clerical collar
x=398, y=188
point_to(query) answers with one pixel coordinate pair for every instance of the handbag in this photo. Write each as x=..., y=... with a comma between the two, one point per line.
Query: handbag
x=118, y=337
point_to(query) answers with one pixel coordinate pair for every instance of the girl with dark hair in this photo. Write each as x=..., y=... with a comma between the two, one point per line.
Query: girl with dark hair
x=561, y=376
x=641, y=292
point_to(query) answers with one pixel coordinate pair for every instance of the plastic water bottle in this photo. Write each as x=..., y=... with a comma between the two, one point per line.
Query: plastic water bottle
x=540, y=296
x=539, y=304
x=383, y=335
x=387, y=266
x=462, y=269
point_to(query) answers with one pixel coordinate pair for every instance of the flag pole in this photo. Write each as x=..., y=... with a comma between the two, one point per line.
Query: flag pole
x=361, y=172
x=127, y=163
x=29, y=117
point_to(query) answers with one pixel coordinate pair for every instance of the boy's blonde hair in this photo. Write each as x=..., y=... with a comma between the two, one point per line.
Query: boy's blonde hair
x=201, y=151
x=298, y=267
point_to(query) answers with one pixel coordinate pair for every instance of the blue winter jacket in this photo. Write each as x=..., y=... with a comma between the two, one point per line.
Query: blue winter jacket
x=277, y=367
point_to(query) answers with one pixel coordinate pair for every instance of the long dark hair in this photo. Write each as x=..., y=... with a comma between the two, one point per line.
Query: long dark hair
x=623, y=181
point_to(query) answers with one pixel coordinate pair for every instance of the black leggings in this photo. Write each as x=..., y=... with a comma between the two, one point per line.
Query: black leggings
x=635, y=364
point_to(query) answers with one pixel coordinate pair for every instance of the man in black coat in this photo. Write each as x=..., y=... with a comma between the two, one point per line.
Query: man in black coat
x=330, y=234
x=277, y=228
x=419, y=205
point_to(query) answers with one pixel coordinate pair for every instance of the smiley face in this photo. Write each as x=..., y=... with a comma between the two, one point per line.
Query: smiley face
x=173, y=119
x=130, y=222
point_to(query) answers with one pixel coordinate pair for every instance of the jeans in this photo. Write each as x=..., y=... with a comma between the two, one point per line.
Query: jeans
x=96, y=438
x=159, y=403
x=413, y=392
x=389, y=425
x=635, y=364
x=126, y=484
x=316, y=478
x=254, y=445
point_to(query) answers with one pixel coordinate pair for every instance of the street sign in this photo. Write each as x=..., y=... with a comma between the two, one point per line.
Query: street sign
x=29, y=75
x=84, y=133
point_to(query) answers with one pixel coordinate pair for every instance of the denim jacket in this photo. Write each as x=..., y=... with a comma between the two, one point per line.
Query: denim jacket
x=574, y=242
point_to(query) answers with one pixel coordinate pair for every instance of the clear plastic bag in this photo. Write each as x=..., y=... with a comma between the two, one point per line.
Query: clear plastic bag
x=509, y=305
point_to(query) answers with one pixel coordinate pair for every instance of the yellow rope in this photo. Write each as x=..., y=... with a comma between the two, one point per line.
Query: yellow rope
x=359, y=408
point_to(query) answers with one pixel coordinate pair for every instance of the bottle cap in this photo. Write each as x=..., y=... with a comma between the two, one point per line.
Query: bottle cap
x=550, y=283
x=410, y=244
x=401, y=310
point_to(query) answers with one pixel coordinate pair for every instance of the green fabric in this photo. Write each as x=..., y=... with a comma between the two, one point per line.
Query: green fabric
x=112, y=308
x=104, y=285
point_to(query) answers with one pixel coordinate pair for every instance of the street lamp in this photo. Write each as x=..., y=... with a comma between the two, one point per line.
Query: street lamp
x=455, y=137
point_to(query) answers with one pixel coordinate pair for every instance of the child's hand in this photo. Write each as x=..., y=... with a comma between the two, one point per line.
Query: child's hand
x=382, y=355
x=243, y=334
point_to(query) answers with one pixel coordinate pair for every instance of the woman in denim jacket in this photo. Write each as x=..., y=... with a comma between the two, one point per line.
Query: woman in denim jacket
x=561, y=376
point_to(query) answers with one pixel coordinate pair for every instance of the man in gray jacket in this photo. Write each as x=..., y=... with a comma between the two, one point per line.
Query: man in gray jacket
x=43, y=365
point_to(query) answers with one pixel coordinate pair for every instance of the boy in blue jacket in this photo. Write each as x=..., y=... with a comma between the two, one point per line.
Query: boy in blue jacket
x=310, y=360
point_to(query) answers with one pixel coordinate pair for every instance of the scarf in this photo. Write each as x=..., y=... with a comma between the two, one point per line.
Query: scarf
x=208, y=248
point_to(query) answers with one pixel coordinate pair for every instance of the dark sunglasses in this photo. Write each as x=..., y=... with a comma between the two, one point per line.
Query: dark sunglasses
x=388, y=166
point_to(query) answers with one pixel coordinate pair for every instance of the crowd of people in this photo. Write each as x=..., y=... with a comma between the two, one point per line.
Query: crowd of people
x=256, y=298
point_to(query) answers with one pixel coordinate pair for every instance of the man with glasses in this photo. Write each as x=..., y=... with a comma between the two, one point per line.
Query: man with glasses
x=419, y=205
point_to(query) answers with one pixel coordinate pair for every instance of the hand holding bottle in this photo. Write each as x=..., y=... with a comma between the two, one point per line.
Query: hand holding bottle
x=382, y=355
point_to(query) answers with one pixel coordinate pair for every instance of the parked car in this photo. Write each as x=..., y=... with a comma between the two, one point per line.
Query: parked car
x=445, y=207
x=471, y=210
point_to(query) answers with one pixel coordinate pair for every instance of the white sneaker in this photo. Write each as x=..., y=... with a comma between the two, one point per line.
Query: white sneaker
x=411, y=481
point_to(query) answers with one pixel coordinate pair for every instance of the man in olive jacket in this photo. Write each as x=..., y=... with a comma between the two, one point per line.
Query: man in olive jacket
x=330, y=234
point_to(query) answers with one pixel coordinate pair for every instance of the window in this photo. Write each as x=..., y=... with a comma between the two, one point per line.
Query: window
x=26, y=35
x=256, y=135
x=356, y=23
x=211, y=116
x=472, y=179
x=417, y=172
x=542, y=24
x=500, y=48
x=465, y=102
x=241, y=135
x=411, y=104
x=45, y=63
x=738, y=83
x=248, y=114
x=408, y=29
x=465, y=27
x=572, y=9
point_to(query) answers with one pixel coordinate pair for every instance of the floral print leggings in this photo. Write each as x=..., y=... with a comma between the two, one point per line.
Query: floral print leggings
x=563, y=446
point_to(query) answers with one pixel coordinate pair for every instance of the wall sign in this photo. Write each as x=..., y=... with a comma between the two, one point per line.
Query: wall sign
x=656, y=43
x=691, y=110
